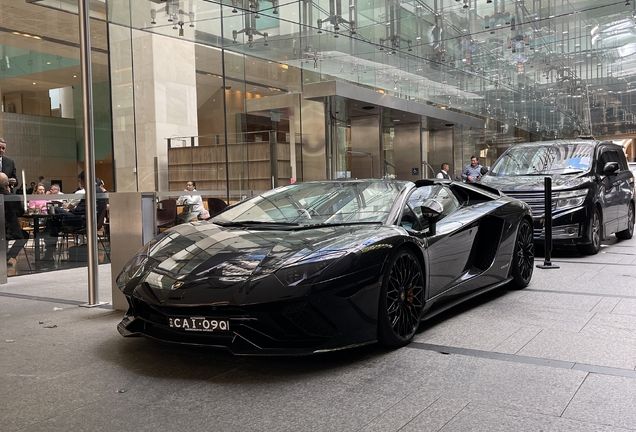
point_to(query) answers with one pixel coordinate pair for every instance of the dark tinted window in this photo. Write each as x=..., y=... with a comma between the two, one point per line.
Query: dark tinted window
x=608, y=155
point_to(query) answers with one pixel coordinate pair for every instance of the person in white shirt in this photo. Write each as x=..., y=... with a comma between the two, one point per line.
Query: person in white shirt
x=443, y=174
x=193, y=203
x=72, y=203
x=55, y=189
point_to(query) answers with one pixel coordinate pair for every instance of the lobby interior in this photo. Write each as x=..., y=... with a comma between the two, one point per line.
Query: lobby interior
x=245, y=95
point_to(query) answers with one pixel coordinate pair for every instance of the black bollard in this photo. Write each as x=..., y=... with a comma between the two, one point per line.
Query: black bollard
x=547, y=264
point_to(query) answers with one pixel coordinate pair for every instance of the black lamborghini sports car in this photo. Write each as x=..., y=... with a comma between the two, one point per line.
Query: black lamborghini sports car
x=325, y=265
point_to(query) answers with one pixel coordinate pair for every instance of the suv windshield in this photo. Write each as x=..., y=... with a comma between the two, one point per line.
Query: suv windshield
x=541, y=159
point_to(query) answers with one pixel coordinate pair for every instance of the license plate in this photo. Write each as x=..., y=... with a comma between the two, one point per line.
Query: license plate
x=200, y=324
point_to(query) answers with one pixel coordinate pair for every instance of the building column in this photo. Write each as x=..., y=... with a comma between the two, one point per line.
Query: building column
x=165, y=102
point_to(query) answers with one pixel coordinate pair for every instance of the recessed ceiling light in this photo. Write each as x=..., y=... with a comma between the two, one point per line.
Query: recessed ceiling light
x=34, y=83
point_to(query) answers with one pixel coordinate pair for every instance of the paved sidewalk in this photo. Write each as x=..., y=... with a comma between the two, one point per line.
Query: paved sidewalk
x=557, y=356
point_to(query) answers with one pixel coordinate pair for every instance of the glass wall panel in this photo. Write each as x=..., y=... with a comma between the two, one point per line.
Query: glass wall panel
x=42, y=122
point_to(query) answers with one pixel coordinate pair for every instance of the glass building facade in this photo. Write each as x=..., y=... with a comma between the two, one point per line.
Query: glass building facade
x=244, y=95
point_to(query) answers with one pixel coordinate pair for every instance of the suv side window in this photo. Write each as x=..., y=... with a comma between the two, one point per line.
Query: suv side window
x=606, y=156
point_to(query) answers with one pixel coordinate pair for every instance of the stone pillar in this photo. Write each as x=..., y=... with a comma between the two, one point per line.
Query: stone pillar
x=66, y=102
x=165, y=100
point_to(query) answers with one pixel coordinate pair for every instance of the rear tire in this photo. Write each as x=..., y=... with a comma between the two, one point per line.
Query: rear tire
x=628, y=233
x=523, y=258
x=401, y=300
x=595, y=236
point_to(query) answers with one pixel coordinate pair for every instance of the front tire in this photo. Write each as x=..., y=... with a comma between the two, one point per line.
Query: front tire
x=595, y=236
x=523, y=258
x=401, y=300
x=628, y=233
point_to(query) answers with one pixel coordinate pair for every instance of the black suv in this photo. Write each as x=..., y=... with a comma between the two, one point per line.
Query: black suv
x=592, y=189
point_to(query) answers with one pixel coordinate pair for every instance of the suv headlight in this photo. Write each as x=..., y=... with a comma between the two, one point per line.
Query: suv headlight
x=569, y=199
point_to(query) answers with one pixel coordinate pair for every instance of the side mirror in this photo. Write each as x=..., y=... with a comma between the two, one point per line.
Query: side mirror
x=610, y=168
x=484, y=170
x=432, y=209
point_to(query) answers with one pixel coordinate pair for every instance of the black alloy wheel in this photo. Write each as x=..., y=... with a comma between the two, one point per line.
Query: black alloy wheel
x=595, y=235
x=401, y=300
x=628, y=233
x=523, y=258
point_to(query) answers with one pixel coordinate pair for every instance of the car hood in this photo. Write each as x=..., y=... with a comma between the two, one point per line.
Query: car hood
x=212, y=259
x=534, y=183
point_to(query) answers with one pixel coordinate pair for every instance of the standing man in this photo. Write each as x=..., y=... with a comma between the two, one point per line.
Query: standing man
x=13, y=231
x=7, y=165
x=472, y=172
x=443, y=174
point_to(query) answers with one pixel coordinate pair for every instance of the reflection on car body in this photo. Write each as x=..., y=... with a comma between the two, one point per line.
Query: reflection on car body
x=325, y=265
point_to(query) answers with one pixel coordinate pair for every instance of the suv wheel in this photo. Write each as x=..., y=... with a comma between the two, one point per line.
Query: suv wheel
x=595, y=236
x=629, y=232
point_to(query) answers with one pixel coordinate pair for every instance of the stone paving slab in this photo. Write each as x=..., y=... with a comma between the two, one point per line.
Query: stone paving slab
x=575, y=328
x=603, y=350
x=484, y=418
x=605, y=400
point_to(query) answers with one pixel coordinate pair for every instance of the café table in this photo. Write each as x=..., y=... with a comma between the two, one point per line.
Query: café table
x=36, y=217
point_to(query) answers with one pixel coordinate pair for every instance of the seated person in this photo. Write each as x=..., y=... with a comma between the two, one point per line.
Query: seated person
x=99, y=182
x=12, y=211
x=72, y=220
x=55, y=190
x=193, y=204
x=72, y=203
x=39, y=205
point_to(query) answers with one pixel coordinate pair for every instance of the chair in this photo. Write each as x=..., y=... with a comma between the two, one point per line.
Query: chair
x=166, y=214
x=101, y=220
x=19, y=244
x=215, y=205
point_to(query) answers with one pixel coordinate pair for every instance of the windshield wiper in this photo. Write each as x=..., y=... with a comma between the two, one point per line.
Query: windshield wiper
x=331, y=224
x=253, y=223
x=574, y=171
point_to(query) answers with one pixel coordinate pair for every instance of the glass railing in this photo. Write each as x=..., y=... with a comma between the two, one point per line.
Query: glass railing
x=48, y=232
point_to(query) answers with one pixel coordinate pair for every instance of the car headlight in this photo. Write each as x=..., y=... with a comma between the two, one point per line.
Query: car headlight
x=135, y=265
x=569, y=199
x=298, y=273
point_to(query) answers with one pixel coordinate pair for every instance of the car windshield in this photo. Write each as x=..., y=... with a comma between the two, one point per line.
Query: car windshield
x=318, y=203
x=541, y=159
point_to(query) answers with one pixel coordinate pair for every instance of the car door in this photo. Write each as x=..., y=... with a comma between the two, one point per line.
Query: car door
x=625, y=180
x=609, y=195
x=449, y=248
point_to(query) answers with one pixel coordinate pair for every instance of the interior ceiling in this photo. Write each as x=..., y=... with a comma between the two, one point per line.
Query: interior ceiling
x=551, y=67
x=39, y=48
